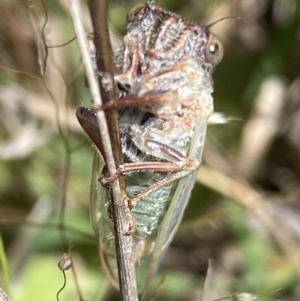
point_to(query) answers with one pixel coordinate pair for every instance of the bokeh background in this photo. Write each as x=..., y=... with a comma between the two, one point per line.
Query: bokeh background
x=243, y=217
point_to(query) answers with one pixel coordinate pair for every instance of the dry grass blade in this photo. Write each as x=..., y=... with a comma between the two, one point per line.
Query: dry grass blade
x=254, y=201
x=263, y=125
x=3, y=296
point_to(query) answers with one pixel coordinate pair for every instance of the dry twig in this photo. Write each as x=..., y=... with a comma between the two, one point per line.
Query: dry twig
x=121, y=212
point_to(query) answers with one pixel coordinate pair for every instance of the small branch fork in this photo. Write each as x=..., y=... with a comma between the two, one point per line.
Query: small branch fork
x=121, y=212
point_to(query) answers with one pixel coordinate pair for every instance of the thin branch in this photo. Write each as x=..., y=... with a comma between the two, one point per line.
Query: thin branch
x=98, y=9
x=122, y=217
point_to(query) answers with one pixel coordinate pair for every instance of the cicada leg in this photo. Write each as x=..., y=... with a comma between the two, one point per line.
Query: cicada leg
x=167, y=180
x=177, y=162
x=180, y=164
x=166, y=101
x=152, y=166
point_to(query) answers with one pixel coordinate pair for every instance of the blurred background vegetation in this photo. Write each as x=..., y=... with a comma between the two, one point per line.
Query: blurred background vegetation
x=244, y=213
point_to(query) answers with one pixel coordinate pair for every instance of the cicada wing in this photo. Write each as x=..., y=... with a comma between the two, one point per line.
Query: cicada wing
x=102, y=224
x=178, y=204
x=99, y=196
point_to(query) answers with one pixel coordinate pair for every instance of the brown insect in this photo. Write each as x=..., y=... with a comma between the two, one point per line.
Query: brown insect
x=163, y=74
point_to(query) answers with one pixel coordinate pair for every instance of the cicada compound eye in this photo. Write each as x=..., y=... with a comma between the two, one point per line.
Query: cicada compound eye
x=214, y=50
x=134, y=12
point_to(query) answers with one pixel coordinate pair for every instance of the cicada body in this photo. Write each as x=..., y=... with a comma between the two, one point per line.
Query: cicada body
x=164, y=78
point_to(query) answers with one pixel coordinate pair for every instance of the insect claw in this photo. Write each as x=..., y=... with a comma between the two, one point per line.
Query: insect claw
x=193, y=164
x=110, y=211
x=133, y=224
x=102, y=180
x=130, y=204
x=105, y=181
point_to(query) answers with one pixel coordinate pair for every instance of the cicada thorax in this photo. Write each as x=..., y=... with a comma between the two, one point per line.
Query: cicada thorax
x=158, y=60
x=157, y=38
x=164, y=70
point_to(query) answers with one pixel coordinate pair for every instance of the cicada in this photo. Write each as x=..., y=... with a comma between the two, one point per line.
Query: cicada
x=163, y=75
